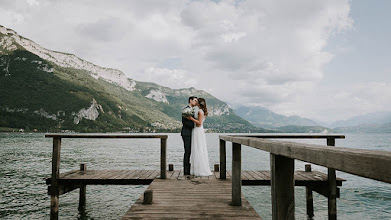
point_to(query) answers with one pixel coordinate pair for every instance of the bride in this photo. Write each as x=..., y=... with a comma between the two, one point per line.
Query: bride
x=199, y=152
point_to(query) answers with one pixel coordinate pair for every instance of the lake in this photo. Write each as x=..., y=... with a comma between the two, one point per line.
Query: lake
x=26, y=160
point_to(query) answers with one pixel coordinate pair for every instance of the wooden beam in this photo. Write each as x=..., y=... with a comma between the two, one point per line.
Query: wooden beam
x=236, y=174
x=106, y=136
x=55, y=194
x=223, y=159
x=324, y=190
x=294, y=136
x=163, y=158
x=282, y=187
x=332, y=197
x=83, y=191
x=366, y=163
x=309, y=196
x=63, y=189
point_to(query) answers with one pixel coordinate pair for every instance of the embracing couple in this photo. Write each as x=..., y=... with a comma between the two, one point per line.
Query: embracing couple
x=195, y=161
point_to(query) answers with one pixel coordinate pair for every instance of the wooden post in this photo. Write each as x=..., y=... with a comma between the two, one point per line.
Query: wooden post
x=170, y=167
x=148, y=197
x=332, y=180
x=163, y=157
x=309, y=197
x=217, y=168
x=55, y=194
x=236, y=174
x=223, y=163
x=282, y=187
x=83, y=191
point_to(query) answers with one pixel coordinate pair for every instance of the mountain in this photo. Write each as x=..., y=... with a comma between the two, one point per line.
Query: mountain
x=263, y=117
x=371, y=118
x=365, y=128
x=304, y=129
x=45, y=90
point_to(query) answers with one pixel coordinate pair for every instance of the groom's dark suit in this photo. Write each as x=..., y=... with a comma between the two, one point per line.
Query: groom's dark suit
x=187, y=127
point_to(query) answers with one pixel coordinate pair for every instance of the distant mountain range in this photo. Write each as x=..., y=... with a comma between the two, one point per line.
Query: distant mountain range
x=371, y=118
x=263, y=117
x=365, y=128
x=379, y=122
x=45, y=90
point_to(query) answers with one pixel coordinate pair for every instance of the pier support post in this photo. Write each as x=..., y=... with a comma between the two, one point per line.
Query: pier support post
x=216, y=168
x=332, y=180
x=282, y=187
x=163, y=157
x=83, y=191
x=55, y=194
x=148, y=197
x=170, y=167
x=236, y=174
x=223, y=163
x=309, y=196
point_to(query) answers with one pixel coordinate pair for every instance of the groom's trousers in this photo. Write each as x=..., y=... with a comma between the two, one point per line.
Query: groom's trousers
x=186, y=158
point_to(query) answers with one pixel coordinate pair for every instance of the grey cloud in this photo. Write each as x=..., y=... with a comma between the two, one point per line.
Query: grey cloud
x=107, y=29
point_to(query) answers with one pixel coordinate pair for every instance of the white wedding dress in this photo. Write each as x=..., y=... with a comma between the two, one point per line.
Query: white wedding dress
x=199, y=159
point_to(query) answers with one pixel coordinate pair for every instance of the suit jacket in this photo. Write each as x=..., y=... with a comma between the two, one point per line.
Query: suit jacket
x=187, y=125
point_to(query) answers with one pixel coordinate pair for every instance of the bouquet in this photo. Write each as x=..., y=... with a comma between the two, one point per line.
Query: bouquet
x=188, y=111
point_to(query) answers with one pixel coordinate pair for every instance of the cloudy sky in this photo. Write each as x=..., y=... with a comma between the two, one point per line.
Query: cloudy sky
x=325, y=60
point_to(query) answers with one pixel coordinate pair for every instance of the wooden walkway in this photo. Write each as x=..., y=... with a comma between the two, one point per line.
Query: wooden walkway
x=145, y=177
x=191, y=199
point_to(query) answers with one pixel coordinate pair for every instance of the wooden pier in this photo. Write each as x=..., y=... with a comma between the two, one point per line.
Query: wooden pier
x=171, y=195
x=145, y=177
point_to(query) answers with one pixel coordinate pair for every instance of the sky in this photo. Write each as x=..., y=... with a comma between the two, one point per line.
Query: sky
x=324, y=60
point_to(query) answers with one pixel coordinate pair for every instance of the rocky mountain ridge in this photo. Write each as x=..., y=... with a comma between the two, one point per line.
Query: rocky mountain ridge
x=53, y=91
x=11, y=41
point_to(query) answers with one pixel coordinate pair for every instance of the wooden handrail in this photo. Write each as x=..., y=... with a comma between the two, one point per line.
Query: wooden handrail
x=54, y=201
x=106, y=136
x=366, y=163
x=294, y=136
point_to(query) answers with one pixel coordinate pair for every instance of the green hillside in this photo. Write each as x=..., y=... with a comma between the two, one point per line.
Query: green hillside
x=37, y=94
x=48, y=91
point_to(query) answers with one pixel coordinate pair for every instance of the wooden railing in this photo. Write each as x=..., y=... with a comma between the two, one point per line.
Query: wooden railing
x=55, y=186
x=366, y=163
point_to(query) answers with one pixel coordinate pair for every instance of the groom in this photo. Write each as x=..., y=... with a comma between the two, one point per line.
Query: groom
x=187, y=127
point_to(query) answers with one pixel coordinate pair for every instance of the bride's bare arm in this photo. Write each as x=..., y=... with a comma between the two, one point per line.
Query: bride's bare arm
x=200, y=118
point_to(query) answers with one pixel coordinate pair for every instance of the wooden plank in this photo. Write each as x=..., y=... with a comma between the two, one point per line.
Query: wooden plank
x=292, y=136
x=147, y=174
x=216, y=174
x=260, y=175
x=174, y=174
x=190, y=199
x=128, y=174
x=299, y=176
x=253, y=174
x=155, y=174
x=106, y=136
x=247, y=175
x=366, y=163
x=141, y=176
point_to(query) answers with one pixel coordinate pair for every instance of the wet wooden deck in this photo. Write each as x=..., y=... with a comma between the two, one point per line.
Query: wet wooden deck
x=145, y=177
x=191, y=199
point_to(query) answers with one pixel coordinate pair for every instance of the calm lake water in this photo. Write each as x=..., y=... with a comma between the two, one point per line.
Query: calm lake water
x=25, y=160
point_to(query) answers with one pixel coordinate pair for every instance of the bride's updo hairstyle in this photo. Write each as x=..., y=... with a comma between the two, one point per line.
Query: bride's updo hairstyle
x=202, y=103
